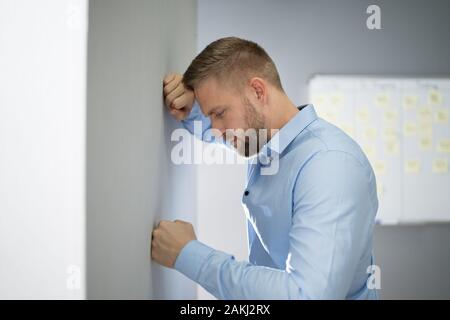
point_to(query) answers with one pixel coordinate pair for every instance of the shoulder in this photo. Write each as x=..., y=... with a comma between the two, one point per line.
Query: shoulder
x=323, y=142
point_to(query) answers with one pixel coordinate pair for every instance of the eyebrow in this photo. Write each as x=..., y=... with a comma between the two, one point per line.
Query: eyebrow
x=214, y=109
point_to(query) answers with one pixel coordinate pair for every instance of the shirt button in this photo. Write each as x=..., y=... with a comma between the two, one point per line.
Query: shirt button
x=265, y=160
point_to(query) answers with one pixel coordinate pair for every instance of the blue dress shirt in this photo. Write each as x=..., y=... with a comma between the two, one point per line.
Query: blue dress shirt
x=309, y=226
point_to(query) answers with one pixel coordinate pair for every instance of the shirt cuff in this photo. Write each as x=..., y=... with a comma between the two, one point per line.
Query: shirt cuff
x=195, y=113
x=191, y=259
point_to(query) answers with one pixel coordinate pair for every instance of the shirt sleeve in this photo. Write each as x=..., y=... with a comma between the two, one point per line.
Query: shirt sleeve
x=197, y=123
x=332, y=206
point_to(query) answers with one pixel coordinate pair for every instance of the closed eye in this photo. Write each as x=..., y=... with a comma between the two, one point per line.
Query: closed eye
x=219, y=115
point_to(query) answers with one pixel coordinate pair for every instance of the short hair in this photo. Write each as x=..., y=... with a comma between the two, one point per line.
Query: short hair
x=234, y=61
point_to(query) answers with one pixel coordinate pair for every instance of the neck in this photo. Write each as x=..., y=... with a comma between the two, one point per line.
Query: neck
x=281, y=112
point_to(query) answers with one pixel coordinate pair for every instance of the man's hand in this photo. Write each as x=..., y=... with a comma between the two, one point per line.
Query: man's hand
x=178, y=99
x=168, y=239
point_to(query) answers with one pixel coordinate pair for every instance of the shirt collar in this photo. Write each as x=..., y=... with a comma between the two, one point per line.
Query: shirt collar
x=290, y=130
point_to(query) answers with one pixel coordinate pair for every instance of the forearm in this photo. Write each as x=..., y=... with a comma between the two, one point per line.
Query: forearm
x=226, y=278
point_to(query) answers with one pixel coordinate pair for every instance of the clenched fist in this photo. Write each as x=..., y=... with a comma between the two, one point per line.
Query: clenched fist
x=168, y=239
x=177, y=97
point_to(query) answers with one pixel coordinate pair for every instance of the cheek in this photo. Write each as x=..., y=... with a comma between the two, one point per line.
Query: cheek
x=223, y=124
x=235, y=121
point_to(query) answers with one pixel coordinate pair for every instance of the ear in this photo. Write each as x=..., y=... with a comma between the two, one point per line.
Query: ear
x=259, y=89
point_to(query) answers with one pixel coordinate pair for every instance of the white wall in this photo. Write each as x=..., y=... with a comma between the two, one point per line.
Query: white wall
x=42, y=148
x=110, y=145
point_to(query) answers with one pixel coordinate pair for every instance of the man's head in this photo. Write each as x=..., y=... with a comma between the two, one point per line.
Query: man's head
x=234, y=81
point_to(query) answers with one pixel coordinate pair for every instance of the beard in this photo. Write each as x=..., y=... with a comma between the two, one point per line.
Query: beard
x=249, y=143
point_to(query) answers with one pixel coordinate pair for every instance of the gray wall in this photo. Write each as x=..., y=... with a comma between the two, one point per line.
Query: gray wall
x=131, y=183
x=315, y=36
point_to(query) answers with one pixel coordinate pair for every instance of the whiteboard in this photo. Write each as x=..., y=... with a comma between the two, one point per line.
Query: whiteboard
x=402, y=124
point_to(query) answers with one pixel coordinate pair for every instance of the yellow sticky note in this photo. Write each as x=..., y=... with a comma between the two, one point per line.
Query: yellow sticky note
x=369, y=150
x=390, y=115
x=363, y=115
x=336, y=99
x=392, y=147
x=434, y=97
x=390, y=133
x=329, y=115
x=425, y=143
x=382, y=100
x=318, y=100
x=443, y=146
x=439, y=166
x=410, y=102
x=425, y=130
x=348, y=129
x=379, y=167
x=370, y=133
x=410, y=128
x=425, y=114
x=442, y=116
x=412, y=166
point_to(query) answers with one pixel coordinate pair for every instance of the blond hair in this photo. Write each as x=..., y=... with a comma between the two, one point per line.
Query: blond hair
x=234, y=61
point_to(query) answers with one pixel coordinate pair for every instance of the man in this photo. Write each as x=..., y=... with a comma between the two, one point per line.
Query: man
x=310, y=224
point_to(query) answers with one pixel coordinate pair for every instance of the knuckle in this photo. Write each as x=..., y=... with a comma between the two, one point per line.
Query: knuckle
x=169, y=76
x=162, y=223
